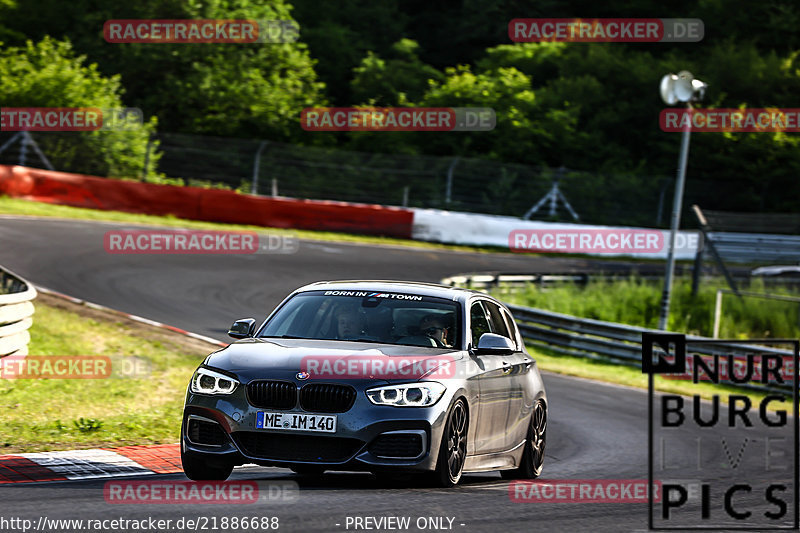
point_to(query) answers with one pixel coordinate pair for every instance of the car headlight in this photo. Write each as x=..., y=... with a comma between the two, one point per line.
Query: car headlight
x=207, y=381
x=420, y=394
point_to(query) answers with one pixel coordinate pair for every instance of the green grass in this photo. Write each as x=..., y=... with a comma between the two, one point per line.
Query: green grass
x=16, y=206
x=637, y=302
x=51, y=414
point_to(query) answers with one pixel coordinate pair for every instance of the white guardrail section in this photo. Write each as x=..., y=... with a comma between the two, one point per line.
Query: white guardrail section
x=16, y=313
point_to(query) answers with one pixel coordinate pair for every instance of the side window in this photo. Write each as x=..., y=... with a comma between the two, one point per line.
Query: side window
x=478, y=321
x=512, y=328
x=496, y=320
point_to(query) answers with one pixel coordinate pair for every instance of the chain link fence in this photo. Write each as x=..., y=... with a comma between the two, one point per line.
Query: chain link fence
x=452, y=183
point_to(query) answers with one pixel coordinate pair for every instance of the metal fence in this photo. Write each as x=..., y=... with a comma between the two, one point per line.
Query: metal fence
x=16, y=312
x=452, y=183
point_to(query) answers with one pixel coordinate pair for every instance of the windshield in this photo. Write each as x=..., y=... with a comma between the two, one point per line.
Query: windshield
x=390, y=318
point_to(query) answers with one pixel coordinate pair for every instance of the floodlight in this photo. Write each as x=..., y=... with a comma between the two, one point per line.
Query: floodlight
x=682, y=87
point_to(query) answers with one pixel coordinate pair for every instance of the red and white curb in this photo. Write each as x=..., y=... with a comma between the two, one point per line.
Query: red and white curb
x=90, y=464
x=98, y=462
x=135, y=318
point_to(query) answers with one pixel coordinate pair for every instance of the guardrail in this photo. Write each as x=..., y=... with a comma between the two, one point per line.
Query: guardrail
x=598, y=339
x=621, y=343
x=756, y=248
x=16, y=312
x=485, y=281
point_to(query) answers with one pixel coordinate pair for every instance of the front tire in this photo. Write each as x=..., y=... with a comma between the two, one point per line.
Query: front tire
x=453, y=449
x=198, y=469
x=533, y=456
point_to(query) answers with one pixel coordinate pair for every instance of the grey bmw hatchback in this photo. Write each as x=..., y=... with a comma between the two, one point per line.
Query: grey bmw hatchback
x=370, y=375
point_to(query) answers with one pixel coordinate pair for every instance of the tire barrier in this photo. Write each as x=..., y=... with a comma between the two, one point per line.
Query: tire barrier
x=16, y=313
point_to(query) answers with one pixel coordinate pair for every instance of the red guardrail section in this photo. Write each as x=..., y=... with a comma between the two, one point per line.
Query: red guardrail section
x=194, y=203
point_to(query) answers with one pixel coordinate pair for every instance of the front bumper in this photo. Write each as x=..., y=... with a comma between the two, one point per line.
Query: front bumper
x=358, y=444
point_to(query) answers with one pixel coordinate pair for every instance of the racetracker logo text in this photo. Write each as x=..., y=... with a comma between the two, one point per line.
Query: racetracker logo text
x=746, y=120
x=73, y=367
x=193, y=31
x=589, y=241
x=582, y=491
x=180, y=492
x=69, y=118
x=377, y=367
x=626, y=30
x=398, y=119
x=197, y=242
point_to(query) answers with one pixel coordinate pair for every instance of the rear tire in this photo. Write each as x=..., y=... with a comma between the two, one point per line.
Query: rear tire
x=453, y=448
x=198, y=469
x=533, y=456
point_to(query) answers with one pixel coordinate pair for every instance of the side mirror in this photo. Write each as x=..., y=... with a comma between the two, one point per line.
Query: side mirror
x=494, y=344
x=242, y=329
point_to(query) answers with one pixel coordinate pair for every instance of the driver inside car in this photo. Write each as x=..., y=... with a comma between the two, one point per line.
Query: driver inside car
x=434, y=326
x=350, y=325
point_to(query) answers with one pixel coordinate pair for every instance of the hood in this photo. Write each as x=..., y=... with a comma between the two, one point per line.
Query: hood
x=330, y=360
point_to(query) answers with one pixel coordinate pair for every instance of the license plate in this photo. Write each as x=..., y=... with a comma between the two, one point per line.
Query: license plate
x=295, y=422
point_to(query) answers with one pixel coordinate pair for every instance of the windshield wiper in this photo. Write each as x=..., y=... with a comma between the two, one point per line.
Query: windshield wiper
x=366, y=340
x=283, y=337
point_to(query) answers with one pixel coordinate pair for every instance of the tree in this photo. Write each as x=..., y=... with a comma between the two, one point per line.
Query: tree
x=50, y=74
x=246, y=90
x=399, y=80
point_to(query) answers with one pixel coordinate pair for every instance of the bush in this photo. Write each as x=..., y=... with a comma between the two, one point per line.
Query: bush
x=49, y=74
x=637, y=302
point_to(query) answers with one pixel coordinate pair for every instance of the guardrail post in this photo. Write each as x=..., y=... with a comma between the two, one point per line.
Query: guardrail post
x=717, y=313
x=698, y=266
x=256, y=167
x=448, y=193
x=146, y=168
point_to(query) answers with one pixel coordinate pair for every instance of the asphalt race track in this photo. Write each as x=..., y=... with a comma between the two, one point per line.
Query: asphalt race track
x=206, y=293
x=595, y=431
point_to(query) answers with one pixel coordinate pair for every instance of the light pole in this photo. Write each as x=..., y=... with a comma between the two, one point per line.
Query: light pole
x=678, y=88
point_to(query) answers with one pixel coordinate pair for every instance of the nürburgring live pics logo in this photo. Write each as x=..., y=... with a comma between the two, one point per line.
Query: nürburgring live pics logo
x=730, y=462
